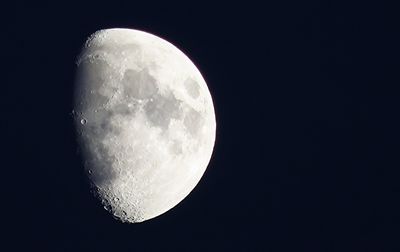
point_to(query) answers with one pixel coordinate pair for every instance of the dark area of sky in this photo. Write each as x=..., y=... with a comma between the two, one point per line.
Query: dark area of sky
x=307, y=149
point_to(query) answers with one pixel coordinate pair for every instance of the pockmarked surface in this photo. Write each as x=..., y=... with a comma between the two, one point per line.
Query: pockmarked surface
x=145, y=122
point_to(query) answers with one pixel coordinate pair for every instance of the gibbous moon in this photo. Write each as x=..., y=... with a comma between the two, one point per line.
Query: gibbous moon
x=145, y=122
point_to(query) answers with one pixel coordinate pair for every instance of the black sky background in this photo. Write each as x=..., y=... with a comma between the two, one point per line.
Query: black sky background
x=307, y=107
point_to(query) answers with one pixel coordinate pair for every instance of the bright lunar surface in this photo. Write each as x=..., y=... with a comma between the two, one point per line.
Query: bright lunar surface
x=145, y=122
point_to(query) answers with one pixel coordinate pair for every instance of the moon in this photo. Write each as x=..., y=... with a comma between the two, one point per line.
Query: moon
x=145, y=122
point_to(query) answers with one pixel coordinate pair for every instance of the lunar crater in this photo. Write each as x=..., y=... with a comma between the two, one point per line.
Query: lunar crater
x=98, y=164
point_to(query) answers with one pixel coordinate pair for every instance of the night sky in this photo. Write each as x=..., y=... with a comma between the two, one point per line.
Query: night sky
x=307, y=107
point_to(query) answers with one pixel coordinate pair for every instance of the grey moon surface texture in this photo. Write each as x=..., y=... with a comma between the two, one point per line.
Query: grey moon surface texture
x=145, y=122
